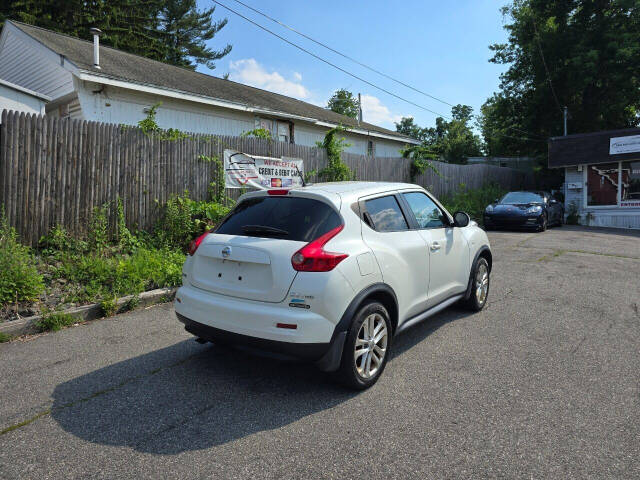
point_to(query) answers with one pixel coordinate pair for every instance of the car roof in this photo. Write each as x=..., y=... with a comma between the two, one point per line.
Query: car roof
x=337, y=192
x=349, y=191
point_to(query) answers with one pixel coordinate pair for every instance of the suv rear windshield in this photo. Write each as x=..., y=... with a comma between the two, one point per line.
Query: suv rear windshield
x=289, y=218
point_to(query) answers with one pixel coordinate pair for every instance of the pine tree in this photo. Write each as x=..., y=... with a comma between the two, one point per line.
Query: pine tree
x=344, y=102
x=186, y=29
x=172, y=31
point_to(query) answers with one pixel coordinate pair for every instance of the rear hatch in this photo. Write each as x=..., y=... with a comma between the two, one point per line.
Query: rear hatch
x=249, y=254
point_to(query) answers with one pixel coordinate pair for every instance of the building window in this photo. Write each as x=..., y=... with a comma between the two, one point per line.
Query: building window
x=265, y=124
x=284, y=132
x=630, y=184
x=602, y=184
x=371, y=148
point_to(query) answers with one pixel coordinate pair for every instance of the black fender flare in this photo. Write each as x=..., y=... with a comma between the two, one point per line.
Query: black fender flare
x=484, y=248
x=331, y=360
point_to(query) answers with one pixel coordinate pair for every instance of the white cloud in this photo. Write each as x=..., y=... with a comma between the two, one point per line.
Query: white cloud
x=373, y=111
x=250, y=72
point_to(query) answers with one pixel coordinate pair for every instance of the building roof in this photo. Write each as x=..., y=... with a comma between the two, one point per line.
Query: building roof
x=119, y=65
x=588, y=148
x=26, y=91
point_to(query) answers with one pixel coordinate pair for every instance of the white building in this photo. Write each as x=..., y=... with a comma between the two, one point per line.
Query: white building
x=118, y=87
x=15, y=97
x=602, y=176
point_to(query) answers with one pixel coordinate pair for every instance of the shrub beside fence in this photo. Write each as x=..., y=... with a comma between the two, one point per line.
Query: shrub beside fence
x=55, y=171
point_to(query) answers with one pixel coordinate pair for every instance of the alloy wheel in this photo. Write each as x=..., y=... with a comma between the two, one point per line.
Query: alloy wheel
x=371, y=345
x=482, y=283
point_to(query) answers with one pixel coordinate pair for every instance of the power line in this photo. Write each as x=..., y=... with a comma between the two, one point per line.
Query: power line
x=544, y=62
x=329, y=63
x=324, y=45
x=348, y=72
x=343, y=54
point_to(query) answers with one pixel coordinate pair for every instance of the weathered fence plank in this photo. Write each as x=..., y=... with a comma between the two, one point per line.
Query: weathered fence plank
x=56, y=171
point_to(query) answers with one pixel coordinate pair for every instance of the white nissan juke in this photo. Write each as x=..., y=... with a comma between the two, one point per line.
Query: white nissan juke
x=330, y=273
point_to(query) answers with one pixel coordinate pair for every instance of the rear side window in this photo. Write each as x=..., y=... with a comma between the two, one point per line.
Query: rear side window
x=385, y=214
x=289, y=218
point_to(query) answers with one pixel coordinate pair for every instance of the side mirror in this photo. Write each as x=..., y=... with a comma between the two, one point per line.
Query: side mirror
x=497, y=200
x=461, y=219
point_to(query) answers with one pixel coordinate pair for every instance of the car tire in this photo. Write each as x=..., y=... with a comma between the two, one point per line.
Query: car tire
x=479, y=296
x=357, y=369
x=543, y=225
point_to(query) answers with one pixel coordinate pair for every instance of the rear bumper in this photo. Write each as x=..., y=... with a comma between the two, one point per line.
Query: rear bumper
x=253, y=318
x=303, y=351
x=254, y=324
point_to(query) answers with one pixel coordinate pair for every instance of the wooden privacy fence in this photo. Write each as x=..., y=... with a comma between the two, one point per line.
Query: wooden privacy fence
x=55, y=171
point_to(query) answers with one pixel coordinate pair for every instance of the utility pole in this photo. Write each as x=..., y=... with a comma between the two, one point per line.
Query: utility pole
x=565, y=115
x=360, y=109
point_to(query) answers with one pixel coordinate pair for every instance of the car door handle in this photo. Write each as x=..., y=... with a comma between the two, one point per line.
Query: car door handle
x=435, y=246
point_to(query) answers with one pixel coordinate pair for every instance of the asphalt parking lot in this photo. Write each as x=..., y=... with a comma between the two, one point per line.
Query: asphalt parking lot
x=544, y=383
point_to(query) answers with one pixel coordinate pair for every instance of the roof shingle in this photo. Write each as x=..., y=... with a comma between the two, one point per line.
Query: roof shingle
x=133, y=68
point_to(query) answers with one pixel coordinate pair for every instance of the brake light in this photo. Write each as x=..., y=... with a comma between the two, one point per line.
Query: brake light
x=278, y=192
x=194, y=244
x=313, y=258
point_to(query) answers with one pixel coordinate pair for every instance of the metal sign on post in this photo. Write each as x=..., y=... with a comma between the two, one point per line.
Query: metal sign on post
x=242, y=170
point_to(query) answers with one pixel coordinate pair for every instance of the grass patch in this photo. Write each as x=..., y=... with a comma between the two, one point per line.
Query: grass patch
x=54, y=321
x=109, y=307
x=96, y=277
x=132, y=303
x=4, y=337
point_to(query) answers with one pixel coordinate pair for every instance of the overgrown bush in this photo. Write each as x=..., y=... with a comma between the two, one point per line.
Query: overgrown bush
x=175, y=227
x=421, y=157
x=183, y=219
x=98, y=236
x=96, y=277
x=19, y=277
x=258, y=133
x=473, y=201
x=54, y=321
x=336, y=170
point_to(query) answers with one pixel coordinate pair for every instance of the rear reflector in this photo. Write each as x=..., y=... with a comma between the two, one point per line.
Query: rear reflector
x=277, y=192
x=290, y=326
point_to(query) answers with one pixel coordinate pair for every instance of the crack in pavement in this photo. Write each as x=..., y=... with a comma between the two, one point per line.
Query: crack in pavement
x=95, y=394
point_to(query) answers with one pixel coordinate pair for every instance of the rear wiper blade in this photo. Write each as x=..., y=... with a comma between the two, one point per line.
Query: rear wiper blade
x=264, y=229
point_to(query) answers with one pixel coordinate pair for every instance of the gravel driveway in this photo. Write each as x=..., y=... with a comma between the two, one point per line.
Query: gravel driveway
x=544, y=383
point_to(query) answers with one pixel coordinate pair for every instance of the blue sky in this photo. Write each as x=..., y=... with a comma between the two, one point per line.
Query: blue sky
x=438, y=47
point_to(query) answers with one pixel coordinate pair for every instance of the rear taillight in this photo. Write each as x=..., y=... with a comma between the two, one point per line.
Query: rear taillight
x=194, y=244
x=278, y=192
x=313, y=258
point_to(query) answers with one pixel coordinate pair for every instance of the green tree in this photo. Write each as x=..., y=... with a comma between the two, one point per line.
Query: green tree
x=186, y=29
x=344, y=103
x=129, y=25
x=407, y=126
x=168, y=31
x=451, y=141
x=580, y=53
